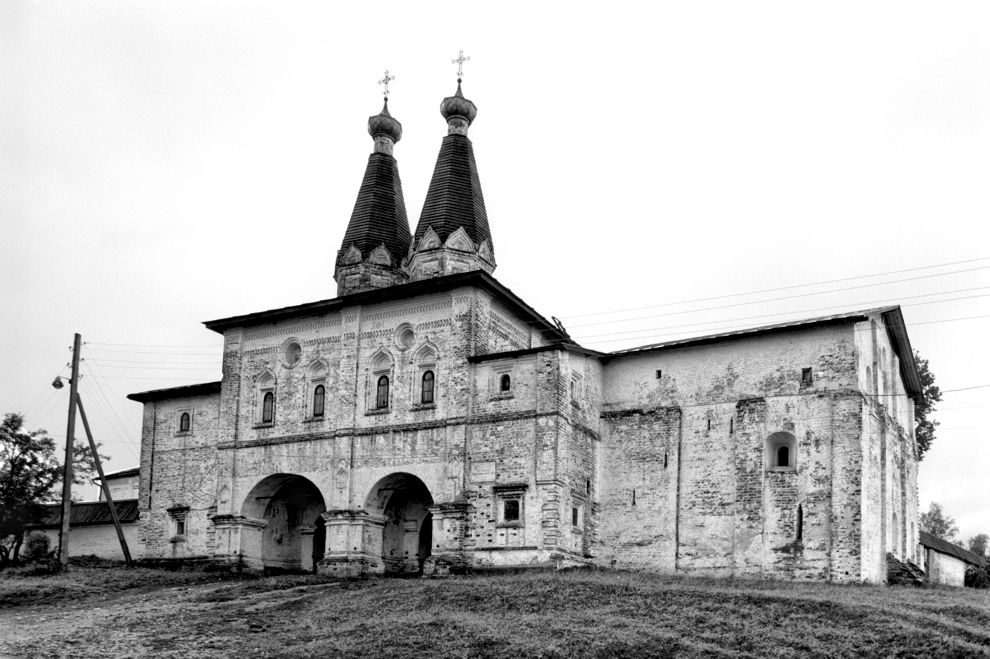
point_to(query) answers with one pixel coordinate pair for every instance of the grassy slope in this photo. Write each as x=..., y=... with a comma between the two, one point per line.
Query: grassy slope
x=539, y=614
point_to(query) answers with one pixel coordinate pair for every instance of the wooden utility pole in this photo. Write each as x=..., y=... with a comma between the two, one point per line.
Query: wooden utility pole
x=103, y=483
x=70, y=433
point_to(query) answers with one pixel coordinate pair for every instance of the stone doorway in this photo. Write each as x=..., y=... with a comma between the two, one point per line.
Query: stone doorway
x=288, y=512
x=403, y=501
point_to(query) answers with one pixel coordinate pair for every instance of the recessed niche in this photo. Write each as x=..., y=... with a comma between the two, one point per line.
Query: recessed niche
x=404, y=336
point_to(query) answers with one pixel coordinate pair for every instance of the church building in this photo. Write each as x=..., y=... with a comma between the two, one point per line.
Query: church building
x=428, y=420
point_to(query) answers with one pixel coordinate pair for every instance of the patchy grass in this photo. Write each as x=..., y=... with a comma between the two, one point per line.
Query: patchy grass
x=545, y=614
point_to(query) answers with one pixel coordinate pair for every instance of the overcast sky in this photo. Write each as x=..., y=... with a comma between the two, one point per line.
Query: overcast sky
x=166, y=163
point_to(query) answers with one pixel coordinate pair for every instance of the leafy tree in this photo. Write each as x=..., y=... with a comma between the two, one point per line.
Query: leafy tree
x=925, y=405
x=937, y=522
x=978, y=544
x=29, y=475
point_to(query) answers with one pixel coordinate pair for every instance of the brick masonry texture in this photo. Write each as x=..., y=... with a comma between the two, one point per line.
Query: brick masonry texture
x=607, y=463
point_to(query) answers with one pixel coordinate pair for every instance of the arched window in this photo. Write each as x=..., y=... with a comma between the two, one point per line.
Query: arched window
x=268, y=408
x=781, y=452
x=505, y=383
x=428, y=382
x=184, y=422
x=783, y=456
x=381, y=400
x=319, y=400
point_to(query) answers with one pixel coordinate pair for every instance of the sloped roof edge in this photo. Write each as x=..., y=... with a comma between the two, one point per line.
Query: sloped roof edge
x=201, y=389
x=945, y=547
x=478, y=278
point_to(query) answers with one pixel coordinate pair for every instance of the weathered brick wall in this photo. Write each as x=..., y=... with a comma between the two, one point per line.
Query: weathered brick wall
x=717, y=507
x=180, y=472
x=890, y=501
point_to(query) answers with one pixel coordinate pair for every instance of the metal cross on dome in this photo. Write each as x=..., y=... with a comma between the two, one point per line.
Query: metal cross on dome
x=384, y=81
x=460, y=64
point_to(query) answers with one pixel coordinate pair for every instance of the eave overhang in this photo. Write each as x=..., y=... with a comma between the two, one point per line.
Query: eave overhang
x=477, y=278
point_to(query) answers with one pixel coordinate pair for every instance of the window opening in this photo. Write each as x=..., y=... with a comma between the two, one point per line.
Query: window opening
x=510, y=510
x=659, y=374
x=732, y=425
x=709, y=423
x=634, y=498
x=180, y=527
x=575, y=516
x=805, y=376
x=381, y=400
x=319, y=400
x=184, y=422
x=268, y=408
x=505, y=383
x=665, y=459
x=783, y=456
x=587, y=486
x=800, y=522
x=428, y=381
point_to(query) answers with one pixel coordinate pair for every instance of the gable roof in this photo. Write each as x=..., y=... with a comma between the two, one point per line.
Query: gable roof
x=379, y=214
x=944, y=547
x=88, y=513
x=477, y=278
x=892, y=318
x=454, y=197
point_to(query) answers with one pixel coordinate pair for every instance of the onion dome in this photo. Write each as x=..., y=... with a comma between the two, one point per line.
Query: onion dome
x=383, y=124
x=458, y=111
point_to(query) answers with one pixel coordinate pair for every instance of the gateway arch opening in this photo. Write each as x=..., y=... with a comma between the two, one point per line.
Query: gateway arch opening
x=403, y=500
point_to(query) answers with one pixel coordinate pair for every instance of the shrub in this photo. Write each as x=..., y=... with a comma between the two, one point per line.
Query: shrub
x=36, y=547
x=977, y=577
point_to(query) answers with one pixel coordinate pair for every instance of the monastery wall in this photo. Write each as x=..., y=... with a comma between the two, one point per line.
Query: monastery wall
x=690, y=481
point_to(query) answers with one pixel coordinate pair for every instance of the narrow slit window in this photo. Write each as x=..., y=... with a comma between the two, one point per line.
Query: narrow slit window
x=268, y=408
x=575, y=516
x=184, y=422
x=784, y=456
x=381, y=400
x=319, y=400
x=505, y=383
x=732, y=425
x=800, y=522
x=709, y=423
x=428, y=388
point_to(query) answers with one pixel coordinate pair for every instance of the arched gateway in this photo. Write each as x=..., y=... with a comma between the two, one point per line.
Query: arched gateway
x=287, y=515
x=402, y=501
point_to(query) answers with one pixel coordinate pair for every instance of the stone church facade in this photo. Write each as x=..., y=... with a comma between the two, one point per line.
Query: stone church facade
x=427, y=419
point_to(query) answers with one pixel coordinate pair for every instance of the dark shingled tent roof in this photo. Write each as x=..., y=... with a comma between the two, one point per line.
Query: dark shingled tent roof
x=454, y=198
x=379, y=214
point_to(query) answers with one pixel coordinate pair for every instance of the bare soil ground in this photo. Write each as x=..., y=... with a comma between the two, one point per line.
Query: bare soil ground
x=116, y=612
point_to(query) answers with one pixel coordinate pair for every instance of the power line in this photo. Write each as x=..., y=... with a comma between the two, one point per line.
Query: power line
x=792, y=312
x=790, y=287
x=733, y=328
x=775, y=299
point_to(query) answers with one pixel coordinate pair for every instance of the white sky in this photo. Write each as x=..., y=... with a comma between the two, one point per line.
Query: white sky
x=166, y=163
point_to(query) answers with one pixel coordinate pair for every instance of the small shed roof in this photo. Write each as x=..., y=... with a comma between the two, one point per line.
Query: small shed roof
x=946, y=547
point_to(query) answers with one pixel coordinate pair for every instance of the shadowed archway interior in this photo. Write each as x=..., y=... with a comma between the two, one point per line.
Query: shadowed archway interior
x=293, y=534
x=403, y=500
